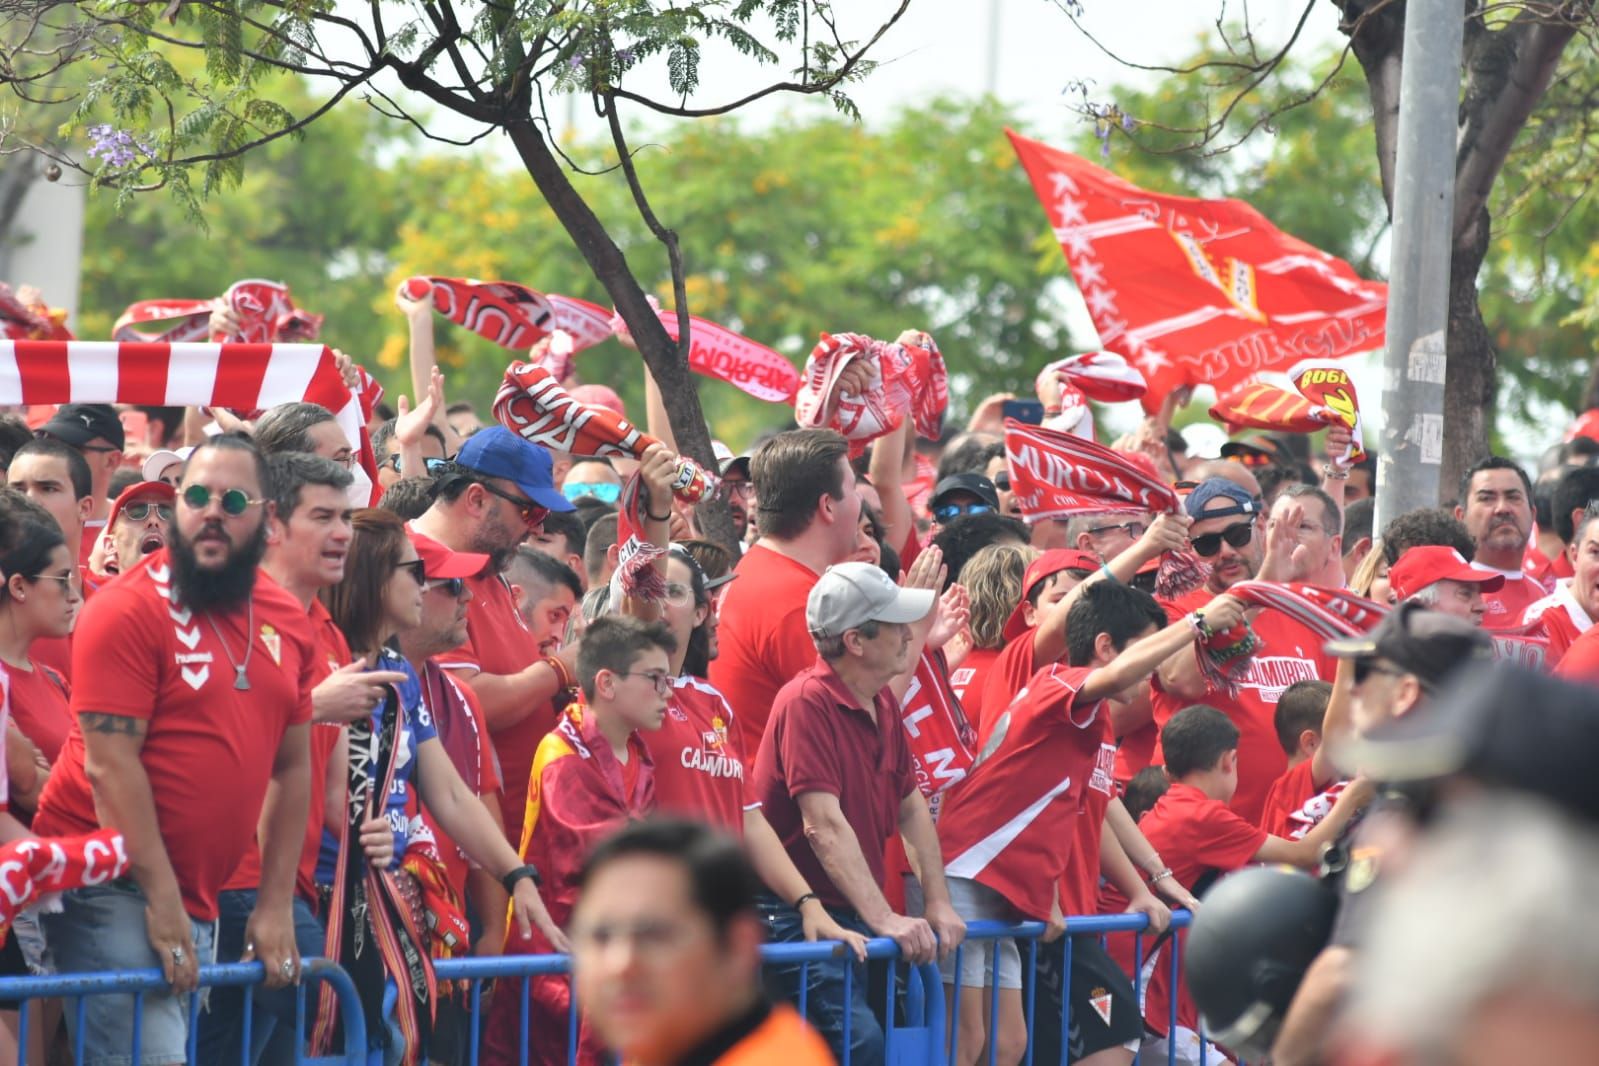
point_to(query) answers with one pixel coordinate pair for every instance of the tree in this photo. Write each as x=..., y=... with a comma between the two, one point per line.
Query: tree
x=492, y=64
x=1514, y=53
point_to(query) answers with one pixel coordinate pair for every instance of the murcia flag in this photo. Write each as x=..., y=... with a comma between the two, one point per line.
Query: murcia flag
x=1197, y=292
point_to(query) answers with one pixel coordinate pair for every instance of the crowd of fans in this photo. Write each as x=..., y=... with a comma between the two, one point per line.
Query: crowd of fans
x=384, y=734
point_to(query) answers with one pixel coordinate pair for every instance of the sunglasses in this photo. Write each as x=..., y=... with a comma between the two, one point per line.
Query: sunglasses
x=1364, y=668
x=532, y=514
x=234, y=501
x=140, y=511
x=434, y=467
x=452, y=586
x=1236, y=535
x=418, y=571
x=950, y=511
x=1002, y=482
x=603, y=491
x=1251, y=459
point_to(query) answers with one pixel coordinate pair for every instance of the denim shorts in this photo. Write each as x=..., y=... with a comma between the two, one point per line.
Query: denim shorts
x=975, y=901
x=102, y=928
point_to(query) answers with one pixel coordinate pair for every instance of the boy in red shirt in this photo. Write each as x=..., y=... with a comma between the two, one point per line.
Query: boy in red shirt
x=1009, y=829
x=1200, y=837
x=1305, y=792
x=591, y=774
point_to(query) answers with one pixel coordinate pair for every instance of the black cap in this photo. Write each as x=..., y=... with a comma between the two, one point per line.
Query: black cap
x=1502, y=725
x=1260, y=444
x=79, y=423
x=976, y=484
x=1427, y=643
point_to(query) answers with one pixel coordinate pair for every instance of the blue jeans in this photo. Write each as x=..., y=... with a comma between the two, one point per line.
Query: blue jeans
x=102, y=928
x=272, y=1013
x=824, y=985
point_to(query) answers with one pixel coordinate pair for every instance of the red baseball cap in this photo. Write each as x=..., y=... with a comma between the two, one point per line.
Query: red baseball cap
x=1425, y=564
x=440, y=562
x=1041, y=569
x=139, y=489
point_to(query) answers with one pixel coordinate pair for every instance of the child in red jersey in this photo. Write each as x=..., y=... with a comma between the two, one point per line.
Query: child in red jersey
x=1199, y=837
x=1306, y=791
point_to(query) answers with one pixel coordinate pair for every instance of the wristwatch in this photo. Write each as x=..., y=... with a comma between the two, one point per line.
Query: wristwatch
x=529, y=871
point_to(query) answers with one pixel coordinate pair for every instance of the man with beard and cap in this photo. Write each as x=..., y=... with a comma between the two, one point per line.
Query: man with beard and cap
x=1496, y=507
x=487, y=501
x=1227, y=533
x=139, y=523
x=192, y=700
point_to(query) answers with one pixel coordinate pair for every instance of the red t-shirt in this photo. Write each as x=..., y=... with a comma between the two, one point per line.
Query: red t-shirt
x=1290, y=652
x=970, y=678
x=455, y=713
x=498, y=643
x=763, y=638
x=1295, y=805
x=699, y=769
x=54, y=652
x=1194, y=834
x=1505, y=607
x=819, y=739
x=1560, y=619
x=1580, y=663
x=210, y=747
x=1008, y=824
x=40, y=707
x=1079, y=888
x=1008, y=675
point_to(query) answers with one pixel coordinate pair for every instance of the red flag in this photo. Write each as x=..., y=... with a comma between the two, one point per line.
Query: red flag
x=1258, y=405
x=1197, y=292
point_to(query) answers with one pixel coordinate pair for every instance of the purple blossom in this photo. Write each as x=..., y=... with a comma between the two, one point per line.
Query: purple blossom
x=575, y=63
x=116, y=147
x=625, y=57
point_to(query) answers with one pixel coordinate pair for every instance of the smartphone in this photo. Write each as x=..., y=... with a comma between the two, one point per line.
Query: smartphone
x=1029, y=411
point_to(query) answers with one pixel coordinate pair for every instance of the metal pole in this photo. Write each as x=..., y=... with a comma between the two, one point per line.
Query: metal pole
x=1418, y=275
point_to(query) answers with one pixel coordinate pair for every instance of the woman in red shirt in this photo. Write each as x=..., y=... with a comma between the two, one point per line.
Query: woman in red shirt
x=699, y=769
x=993, y=579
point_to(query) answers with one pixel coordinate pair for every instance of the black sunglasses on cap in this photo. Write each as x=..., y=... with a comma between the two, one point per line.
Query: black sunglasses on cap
x=1236, y=535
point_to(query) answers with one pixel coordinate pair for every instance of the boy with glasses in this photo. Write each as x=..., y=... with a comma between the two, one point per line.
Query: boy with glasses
x=591, y=775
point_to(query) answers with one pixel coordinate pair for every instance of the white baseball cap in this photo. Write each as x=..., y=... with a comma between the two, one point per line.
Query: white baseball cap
x=849, y=595
x=159, y=461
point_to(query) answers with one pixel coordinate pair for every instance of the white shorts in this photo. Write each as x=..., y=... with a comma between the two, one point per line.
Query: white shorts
x=974, y=901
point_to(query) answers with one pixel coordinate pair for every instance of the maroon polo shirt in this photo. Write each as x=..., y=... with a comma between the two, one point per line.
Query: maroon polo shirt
x=819, y=739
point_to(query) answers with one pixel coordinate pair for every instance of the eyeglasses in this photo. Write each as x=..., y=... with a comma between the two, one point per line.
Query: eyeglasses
x=418, y=571
x=738, y=488
x=604, y=491
x=140, y=511
x=390, y=461
x=346, y=459
x=234, y=501
x=532, y=514
x=1237, y=535
x=1364, y=668
x=949, y=511
x=679, y=594
x=452, y=586
x=66, y=581
x=659, y=678
x=1132, y=529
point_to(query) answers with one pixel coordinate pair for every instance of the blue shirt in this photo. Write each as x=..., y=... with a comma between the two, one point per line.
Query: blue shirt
x=416, y=726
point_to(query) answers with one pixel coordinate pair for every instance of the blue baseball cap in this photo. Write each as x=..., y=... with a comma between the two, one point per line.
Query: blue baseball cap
x=1213, y=487
x=497, y=452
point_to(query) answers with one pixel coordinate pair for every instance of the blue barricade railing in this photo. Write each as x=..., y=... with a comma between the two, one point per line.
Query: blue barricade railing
x=919, y=1038
x=915, y=1033
x=138, y=983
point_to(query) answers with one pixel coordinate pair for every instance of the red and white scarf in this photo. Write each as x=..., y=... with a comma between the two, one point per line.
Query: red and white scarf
x=1329, y=613
x=942, y=742
x=34, y=868
x=906, y=380
x=720, y=353
x=1058, y=475
x=265, y=310
x=245, y=377
x=1326, y=397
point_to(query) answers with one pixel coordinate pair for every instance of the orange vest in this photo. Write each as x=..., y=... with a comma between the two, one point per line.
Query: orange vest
x=783, y=1039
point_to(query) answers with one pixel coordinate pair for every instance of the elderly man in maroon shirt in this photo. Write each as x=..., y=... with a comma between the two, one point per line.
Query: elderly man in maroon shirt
x=834, y=775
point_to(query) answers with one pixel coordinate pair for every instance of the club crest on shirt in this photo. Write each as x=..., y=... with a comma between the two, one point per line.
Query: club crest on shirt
x=273, y=643
x=1100, y=1000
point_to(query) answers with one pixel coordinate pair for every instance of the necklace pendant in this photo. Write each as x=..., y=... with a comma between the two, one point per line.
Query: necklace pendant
x=240, y=682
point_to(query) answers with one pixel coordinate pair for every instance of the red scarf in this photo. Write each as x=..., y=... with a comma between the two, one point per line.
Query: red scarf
x=1102, y=376
x=718, y=352
x=906, y=380
x=30, y=322
x=1326, y=397
x=1057, y=475
x=940, y=738
x=265, y=309
x=33, y=868
x=532, y=404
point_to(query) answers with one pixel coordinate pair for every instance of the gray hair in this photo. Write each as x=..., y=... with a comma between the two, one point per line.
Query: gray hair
x=1516, y=873
x=831, y=648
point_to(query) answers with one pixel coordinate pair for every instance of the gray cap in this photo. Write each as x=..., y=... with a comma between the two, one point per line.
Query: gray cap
x=852, y=594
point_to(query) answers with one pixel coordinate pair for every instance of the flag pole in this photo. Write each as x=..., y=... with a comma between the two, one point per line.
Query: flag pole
x=1418, y=276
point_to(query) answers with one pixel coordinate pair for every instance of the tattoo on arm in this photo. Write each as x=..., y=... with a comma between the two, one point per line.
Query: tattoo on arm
x=94, y=722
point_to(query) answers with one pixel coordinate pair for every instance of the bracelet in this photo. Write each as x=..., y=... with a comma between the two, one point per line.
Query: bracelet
x=1334, y=473
x=667, y=517
x=1197, y=621
x=527, y=872
x=806, y=898
x=1162, y=875
x=563, y=676
x=1104, y=568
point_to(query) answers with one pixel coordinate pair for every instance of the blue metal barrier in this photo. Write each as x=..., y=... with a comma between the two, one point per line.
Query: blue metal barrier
x=137, y=983
x=920, y=1039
